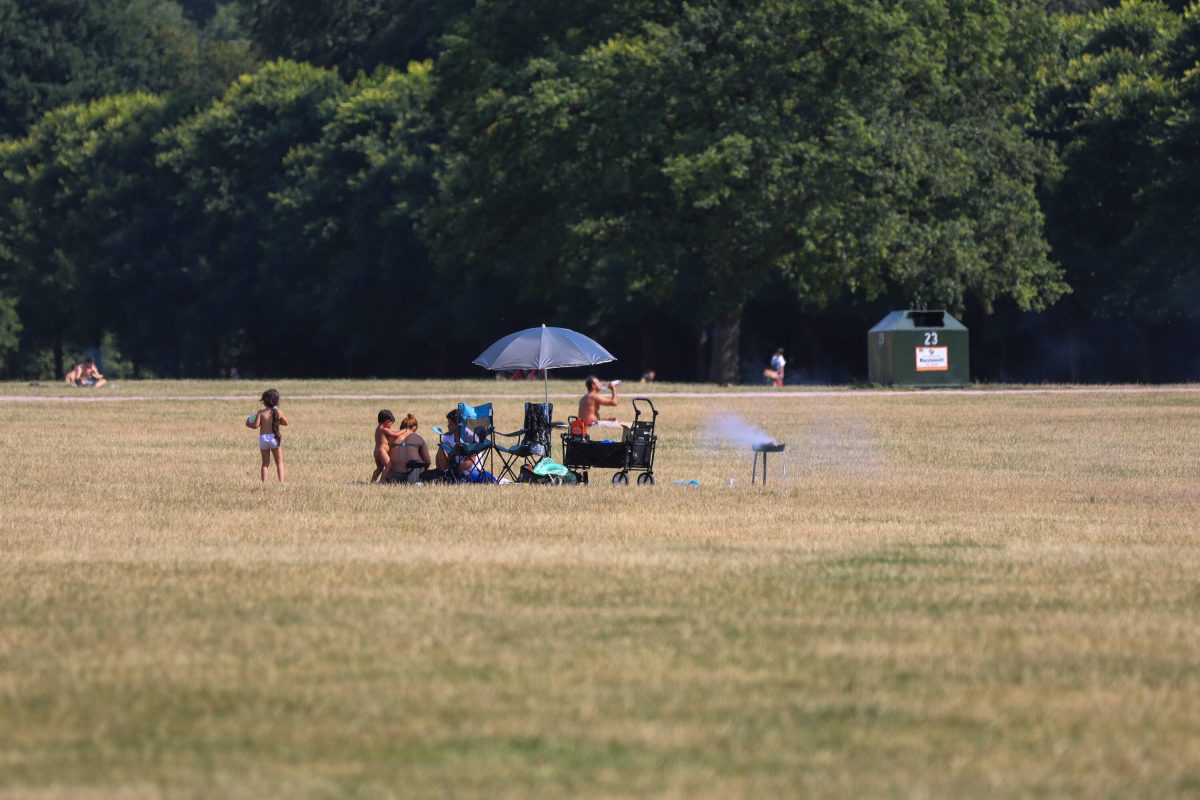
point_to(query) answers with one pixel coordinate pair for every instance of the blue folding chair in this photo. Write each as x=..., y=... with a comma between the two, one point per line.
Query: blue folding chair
x=469, y=451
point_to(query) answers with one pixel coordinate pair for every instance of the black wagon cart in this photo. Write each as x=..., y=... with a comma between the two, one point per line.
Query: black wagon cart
x=632, y=452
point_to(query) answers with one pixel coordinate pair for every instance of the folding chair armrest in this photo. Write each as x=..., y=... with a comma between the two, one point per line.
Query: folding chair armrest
x=514, y=433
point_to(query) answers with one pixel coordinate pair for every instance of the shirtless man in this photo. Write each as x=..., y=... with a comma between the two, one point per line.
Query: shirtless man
x=589, y=404
x=86, y=374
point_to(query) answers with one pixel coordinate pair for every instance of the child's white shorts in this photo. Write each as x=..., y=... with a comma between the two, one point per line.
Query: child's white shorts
x=266, y=441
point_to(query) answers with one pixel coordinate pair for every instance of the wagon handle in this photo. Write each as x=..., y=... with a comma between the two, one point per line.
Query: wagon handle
x=637, y=412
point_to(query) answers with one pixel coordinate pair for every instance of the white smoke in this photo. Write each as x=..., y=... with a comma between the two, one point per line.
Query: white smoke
x=836, y=442
x=732, y=430
x=829, y=440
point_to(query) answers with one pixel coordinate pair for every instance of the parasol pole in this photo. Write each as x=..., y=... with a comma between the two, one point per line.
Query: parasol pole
x=545, y=378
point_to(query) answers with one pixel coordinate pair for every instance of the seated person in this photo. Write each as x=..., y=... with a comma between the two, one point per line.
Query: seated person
x=446, y=441
x=590, y=403
x=467, y=467
x=86, y=374
x=407, y=454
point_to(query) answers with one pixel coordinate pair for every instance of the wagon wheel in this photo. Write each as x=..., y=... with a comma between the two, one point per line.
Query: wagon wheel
x=621, y=479
x=645, y=479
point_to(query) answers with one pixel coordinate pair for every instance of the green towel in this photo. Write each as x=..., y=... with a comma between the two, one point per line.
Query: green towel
x=548, y=466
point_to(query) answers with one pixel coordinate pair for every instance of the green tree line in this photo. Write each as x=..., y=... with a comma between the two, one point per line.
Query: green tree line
x=382, y=187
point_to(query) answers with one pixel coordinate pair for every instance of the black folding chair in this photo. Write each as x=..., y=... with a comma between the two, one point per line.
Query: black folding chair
x=533, y=441
x=411, y=473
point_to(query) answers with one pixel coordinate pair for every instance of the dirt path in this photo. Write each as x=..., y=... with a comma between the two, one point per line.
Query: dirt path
x=99, y=397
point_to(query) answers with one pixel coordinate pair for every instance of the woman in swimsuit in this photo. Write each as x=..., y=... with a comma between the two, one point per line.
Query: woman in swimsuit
x=407, y=454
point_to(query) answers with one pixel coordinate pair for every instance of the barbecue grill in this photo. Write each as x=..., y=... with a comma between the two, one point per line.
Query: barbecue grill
x=763, y=449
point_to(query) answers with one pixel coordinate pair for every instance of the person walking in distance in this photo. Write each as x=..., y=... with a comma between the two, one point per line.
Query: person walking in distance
x=774, y=373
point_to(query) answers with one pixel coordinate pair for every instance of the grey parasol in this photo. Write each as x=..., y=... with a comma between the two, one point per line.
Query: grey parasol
x=543, y=348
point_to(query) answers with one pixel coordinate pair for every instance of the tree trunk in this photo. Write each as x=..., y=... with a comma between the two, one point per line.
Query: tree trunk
x=214, y=357
x=727, y=338
x=59, y=368
x=1074, y=359
x=646, y=345
x=702, y=354
x=1145, y=372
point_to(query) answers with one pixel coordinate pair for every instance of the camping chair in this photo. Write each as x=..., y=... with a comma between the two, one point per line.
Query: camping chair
x=473, y=438
x=411, y=473
x=533, y=444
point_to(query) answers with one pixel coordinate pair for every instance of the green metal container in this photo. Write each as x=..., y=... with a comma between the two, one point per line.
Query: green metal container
x=919, y=348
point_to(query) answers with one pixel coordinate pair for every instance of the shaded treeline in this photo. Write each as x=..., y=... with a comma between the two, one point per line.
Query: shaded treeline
x=383, y=187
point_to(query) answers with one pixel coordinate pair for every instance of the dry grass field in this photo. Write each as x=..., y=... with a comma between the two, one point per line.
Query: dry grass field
x=984, y=595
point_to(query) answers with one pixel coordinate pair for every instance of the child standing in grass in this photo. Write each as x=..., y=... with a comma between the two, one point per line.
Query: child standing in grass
x=269, y=418
x=385, y=437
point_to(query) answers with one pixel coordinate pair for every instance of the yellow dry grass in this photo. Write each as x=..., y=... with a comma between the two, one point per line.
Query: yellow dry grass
x=983, y=595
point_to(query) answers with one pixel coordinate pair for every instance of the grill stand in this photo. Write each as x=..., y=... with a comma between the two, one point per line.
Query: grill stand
x=764, y=450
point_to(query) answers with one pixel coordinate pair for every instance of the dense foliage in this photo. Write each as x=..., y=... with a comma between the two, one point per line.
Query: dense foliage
x=838, y=146
x=327, y=187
